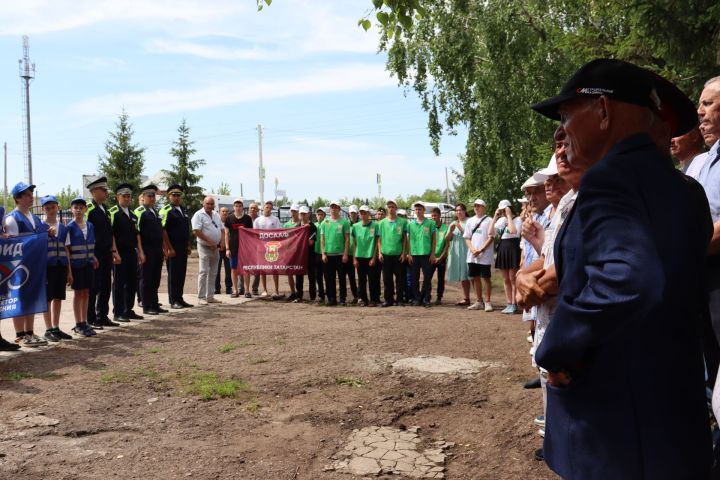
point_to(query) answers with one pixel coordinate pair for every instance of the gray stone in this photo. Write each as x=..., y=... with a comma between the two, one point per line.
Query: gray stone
x=400, y=445
x=377, y=453
x=363, y=466
x=409, y=453
x=404, y=467
x=387, y=445
x=393, y=455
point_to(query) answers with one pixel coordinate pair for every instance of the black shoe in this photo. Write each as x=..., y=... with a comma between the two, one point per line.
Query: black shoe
x=121, y=319
x=332, y=303
x=354, y=301
x=6, y=346
x=177, y=306
x=62, y=335
x=343, y=302
x=133, y=316
x=51, y=336
x=539, y=455
x=241, y=292
x=162, y=310
x=106, y=322
x=534, y=383
x=415, y=303
x=387, y=304
x=291, y=297
x=438, y=301
x=151, y=311
x=228, y=292
x=255, y=292
x=186, y=305
x=248, y=295
x=217, y=292
x=427, y=304
x=96, y=325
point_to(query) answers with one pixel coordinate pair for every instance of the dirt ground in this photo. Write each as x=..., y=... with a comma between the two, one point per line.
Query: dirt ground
x=130, y=404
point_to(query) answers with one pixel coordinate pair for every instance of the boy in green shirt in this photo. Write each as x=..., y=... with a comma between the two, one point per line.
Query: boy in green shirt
x=317, y=260
x=365, y=234
x=391, y=252
x=334, y=244
x=421, y=256
x=293, y=223
x=441, y=252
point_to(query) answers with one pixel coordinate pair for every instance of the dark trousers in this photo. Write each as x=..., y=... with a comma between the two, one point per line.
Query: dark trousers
x=151, y=273
x=440, y=268
x=349, y=270
x=392, y=279
x=124, y=283
x=421, y=263
x=255, y=283
x=299, y=279
x=176, y=270
x=224, y=260
x=368, y=274
x=99, y=301
x=320, y=275
x=408, y=295
x=333, y=270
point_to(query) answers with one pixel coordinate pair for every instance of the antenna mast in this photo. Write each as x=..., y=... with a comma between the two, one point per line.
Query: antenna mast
x=27, y=74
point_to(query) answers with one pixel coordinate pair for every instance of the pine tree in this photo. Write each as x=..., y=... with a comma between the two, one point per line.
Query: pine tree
x=183, y=171
x=123, y=161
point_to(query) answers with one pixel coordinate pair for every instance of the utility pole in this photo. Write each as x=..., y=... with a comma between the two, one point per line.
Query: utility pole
x=27, y=73
x=379, y=184
x=261, y=171
x=447, y=187
x=5, y=191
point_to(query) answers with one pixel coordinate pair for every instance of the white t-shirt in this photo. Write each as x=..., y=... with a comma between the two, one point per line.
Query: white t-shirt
x=501, y=224
x=267, y=223
x=478, y=236
x=209, y=224
x=698, y=162
x=11, y=226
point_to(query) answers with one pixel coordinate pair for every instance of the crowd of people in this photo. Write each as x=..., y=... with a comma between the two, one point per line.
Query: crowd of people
x=613, y=259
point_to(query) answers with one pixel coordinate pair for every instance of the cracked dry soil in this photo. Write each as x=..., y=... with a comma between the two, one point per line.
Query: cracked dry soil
x=123, y=406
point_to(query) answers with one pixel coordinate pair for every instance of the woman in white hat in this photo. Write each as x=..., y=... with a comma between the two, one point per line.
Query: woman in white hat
x=508, y=228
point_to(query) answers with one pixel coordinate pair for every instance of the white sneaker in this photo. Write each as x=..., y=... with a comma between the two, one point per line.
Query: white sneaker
x=213, y=300
x=264, y=293
x=202, y=301
x=488, y=307
x=529, y=339
x=475, y=306
x=541, y=432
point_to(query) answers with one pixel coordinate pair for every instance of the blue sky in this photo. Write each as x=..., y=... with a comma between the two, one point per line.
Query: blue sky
x=333, y=117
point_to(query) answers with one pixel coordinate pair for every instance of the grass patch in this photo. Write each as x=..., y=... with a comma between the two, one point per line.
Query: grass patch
x=253, y=406
x=154, y=350
x=350, y=381
x=257, y=361
x=209, y=386
x=280, y=341
x=228, y=347
x=128, y=377
x=17, y=376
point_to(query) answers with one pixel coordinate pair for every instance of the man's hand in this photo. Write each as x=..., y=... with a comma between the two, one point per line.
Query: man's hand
x=51, y=231
x=324, y=258
x=141, y=258
x=432, y=258
x=344, y=258
x=558, y=379
x=372, y=262
x=409, y=259
x=355, y=262
x=380, y=257
x=534, y=233
x=529, y=293
x=116, y=258
x=170, y=252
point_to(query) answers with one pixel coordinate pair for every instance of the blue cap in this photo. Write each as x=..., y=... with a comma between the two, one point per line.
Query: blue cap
x=78, y=199
x=48, y=199
x=20, y=187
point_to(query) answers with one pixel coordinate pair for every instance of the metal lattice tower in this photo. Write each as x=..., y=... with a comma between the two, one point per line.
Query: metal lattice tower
x=27, y=74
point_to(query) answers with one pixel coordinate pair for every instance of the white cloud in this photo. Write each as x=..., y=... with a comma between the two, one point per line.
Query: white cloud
x=349, y=77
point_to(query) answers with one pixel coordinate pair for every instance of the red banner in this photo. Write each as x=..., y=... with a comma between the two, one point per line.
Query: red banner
x=283, y=251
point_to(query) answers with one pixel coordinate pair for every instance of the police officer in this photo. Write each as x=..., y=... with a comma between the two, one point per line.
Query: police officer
x=106, y=253
x=124, y=226
x=150, y=249
x=176, y=241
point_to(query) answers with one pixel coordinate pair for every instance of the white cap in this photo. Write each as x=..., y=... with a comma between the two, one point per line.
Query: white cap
x=504, y=204
x=295, y=208
x=479, y=202
x=335, y=202
x=418, y=203
x=238, y=200
x=353, y=209
x=522, y=200
x=551, y=169
x=534, y=181
x=304, y=209
x=402, y=212
x=390, y=200
x=320, y=209
x=364, y=208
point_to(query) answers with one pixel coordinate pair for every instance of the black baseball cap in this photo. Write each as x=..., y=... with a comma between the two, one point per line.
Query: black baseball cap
x=629, y=83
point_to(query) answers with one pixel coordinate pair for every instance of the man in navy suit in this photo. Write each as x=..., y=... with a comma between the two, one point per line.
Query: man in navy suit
x=626, y=395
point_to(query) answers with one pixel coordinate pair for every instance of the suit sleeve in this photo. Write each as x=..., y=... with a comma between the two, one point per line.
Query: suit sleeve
x=624, y=277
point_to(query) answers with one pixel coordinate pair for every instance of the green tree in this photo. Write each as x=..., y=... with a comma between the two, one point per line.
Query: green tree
x=320, y=202
x=65, y=196
x=183, y=171
x=123, y=161
x=222, y=189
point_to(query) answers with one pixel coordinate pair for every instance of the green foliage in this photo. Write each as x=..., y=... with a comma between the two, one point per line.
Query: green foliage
x=222, y=189
x=320, y=202
x=123, y=161
x=209, y=386
x=481, y=63
x=350, y=381
x=262, y=3
x=182, y=172
x=65, y=196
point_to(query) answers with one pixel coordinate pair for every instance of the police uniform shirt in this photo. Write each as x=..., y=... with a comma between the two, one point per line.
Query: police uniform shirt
x=149, y=227
x=98, y=215
x=124, y=228
x=176, y=223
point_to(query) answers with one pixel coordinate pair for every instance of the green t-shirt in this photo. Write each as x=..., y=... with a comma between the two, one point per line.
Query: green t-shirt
x=391, y=235
x=291, y=224
x=365, y=237
x=420, y=236
x=440, y=233
x=316, y=245
x=334, y=233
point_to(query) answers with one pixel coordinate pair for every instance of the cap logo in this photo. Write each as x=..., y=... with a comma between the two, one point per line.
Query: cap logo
x=594, y=91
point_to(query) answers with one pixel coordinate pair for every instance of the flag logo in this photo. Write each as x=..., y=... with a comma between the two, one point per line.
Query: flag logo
x=272, y=251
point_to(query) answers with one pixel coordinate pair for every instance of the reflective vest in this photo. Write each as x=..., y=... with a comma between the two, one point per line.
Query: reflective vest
x=56, y=246
x=24, y=225
x=82, y=250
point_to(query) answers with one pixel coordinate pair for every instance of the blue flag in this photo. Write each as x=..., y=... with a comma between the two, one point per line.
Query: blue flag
x=23, y=268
